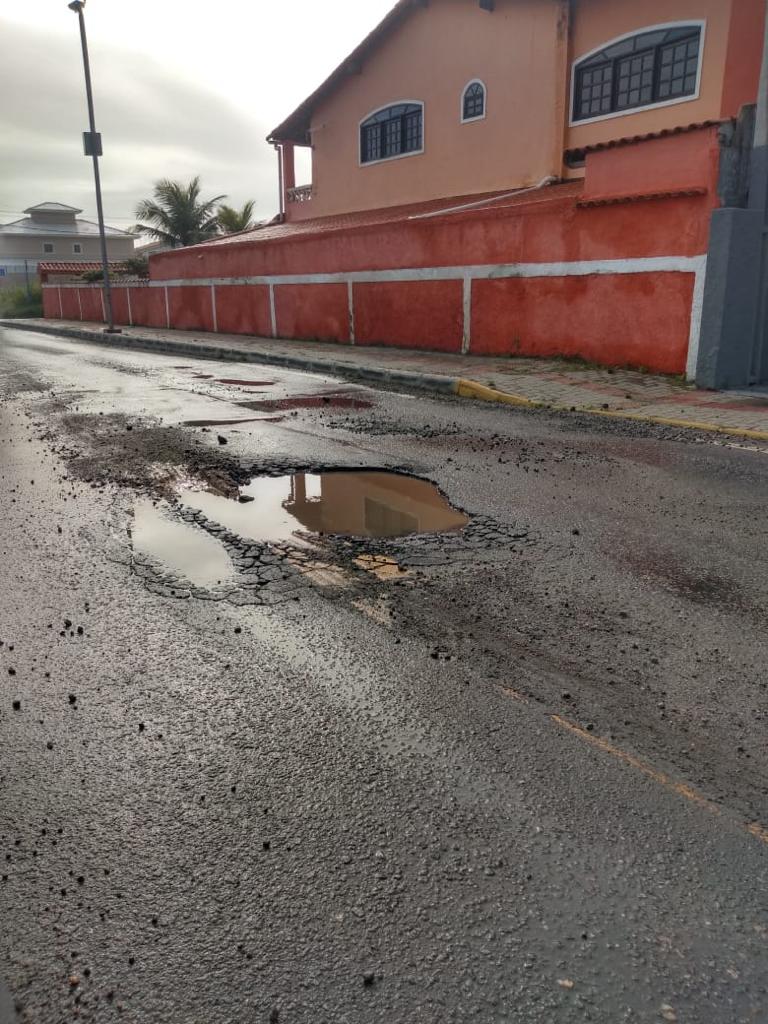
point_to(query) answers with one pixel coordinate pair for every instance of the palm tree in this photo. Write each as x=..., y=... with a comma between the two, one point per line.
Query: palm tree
x=232, y=220
x=175, y=215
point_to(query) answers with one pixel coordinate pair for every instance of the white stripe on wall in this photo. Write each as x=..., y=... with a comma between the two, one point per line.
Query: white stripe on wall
x=697, y=308
x=272, y=314
x=577, y=268
x=466, y=332
x=130, y=313
x=213, y=308
x=167, y=309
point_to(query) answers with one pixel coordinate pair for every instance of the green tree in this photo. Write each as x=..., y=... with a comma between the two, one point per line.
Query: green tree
x=232, y=220
x=176, y=215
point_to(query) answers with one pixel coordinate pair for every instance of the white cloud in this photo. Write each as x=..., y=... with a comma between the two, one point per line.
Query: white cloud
x=182, y=87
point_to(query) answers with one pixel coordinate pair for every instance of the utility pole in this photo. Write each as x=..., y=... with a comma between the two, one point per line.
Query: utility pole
x=92, y=145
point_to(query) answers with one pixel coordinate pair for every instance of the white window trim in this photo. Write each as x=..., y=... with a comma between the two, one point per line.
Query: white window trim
x=77, y=248
x=479, y=117
x=700, y=23
x=400, y=156
x=52, y=251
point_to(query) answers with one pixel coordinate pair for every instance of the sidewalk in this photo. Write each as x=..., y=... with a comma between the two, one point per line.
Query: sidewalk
x=551, y=383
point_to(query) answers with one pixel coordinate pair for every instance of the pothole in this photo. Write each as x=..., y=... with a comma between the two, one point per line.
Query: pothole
x=353, y=504
x=328, y=401
x=232, y=423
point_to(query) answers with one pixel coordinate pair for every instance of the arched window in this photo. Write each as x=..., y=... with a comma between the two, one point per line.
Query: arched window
x=473, y=101
x=658, y=65
x=392, y=131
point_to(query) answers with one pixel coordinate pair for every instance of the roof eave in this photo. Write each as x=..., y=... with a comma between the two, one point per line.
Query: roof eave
x=296, y=127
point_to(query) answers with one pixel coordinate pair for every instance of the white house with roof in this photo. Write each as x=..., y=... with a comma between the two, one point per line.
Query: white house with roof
x=54, y=232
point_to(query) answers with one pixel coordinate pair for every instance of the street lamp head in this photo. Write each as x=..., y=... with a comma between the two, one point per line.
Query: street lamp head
x=76, y=6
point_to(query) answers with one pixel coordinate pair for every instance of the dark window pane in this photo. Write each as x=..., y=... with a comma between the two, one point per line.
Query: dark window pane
x=391, y=131
x=648, y=68
x=474, y=101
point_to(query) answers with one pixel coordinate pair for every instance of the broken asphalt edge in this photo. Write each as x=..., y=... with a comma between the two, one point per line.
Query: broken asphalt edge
x=431, y=382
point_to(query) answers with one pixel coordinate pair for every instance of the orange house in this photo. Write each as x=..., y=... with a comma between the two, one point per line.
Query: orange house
x=507, y=176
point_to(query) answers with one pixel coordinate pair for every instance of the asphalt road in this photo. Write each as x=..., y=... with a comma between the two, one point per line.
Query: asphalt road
x=515, y=773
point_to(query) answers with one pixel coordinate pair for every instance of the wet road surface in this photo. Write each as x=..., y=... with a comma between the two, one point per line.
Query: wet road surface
x=514, y=771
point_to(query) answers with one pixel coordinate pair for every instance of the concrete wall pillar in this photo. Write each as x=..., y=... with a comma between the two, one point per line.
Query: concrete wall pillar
x=731, y=299
x=289, y=166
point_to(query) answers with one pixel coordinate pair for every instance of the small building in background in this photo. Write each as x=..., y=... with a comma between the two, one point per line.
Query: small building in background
x=54, y=232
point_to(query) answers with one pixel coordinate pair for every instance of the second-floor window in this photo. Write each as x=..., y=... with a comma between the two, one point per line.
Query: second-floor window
x=473, y=102
x=392, y=131
x=48, y=248
x=660, y=65
x=77, y=248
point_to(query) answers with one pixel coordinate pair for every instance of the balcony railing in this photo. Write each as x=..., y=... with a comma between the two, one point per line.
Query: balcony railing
x=302, y=194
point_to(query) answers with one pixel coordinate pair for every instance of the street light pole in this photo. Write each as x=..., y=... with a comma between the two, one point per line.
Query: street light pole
x=93, y=149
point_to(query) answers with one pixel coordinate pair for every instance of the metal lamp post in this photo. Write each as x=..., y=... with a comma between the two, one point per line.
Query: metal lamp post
x=92, y=147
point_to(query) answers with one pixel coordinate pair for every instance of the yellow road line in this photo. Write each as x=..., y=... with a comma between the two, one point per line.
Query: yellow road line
x=472, y=389
x=679, y=788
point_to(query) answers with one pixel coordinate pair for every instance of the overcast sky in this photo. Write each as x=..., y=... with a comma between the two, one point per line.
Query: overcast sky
x=182, y=87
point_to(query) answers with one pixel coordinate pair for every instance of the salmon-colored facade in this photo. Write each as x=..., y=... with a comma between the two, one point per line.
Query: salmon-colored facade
x=528, y=177
x=525, y=53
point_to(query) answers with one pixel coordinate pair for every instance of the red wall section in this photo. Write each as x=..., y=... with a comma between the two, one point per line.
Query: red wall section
x=312, y=311
x=243, y=309
x=413, y=314
x=120, y=305
x=191, y=308
x=543, y=226
x=617, y=319
x=51, y=303
x=70, y=307
x=90, y=299
x=745, y=55
x=684, y=161
x=148, y=306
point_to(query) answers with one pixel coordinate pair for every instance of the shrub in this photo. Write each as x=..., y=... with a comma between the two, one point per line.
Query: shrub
x=17, y=303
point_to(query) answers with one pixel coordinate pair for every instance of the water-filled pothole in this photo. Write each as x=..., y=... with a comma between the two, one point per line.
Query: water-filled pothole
x=185, y=551
x=329, y=401
x=356, y=504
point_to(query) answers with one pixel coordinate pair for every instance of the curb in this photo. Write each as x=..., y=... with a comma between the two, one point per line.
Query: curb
x=471, y=389
x=462, y=387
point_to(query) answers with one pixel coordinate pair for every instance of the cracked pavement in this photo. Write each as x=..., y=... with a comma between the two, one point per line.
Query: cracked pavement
x=515, y=772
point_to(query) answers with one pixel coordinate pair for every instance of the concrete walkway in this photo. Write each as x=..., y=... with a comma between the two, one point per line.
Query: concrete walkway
x=551, y=383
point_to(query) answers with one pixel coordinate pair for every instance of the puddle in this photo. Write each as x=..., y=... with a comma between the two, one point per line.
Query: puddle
x=333, y=401
x=186, y=551
x=246, y=383
x=232, y=423
x=356, y=504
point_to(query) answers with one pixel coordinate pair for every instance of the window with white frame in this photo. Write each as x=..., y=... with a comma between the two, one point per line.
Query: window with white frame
x=473, y=101
x=48, y=248
x=657, y=66
x=393, y=131
x=77, y=248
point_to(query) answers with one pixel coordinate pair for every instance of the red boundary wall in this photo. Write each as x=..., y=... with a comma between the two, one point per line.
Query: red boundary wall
x=581, y=269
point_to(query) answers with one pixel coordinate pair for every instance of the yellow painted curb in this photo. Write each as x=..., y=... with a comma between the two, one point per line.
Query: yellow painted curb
x=472, y=389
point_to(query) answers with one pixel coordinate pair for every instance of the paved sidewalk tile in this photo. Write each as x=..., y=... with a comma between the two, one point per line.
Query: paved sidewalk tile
x=565, y=384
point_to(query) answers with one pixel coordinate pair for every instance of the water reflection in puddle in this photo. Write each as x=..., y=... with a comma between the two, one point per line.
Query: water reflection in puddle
x=185, y=551
x=332, y=401
x=357, y=504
